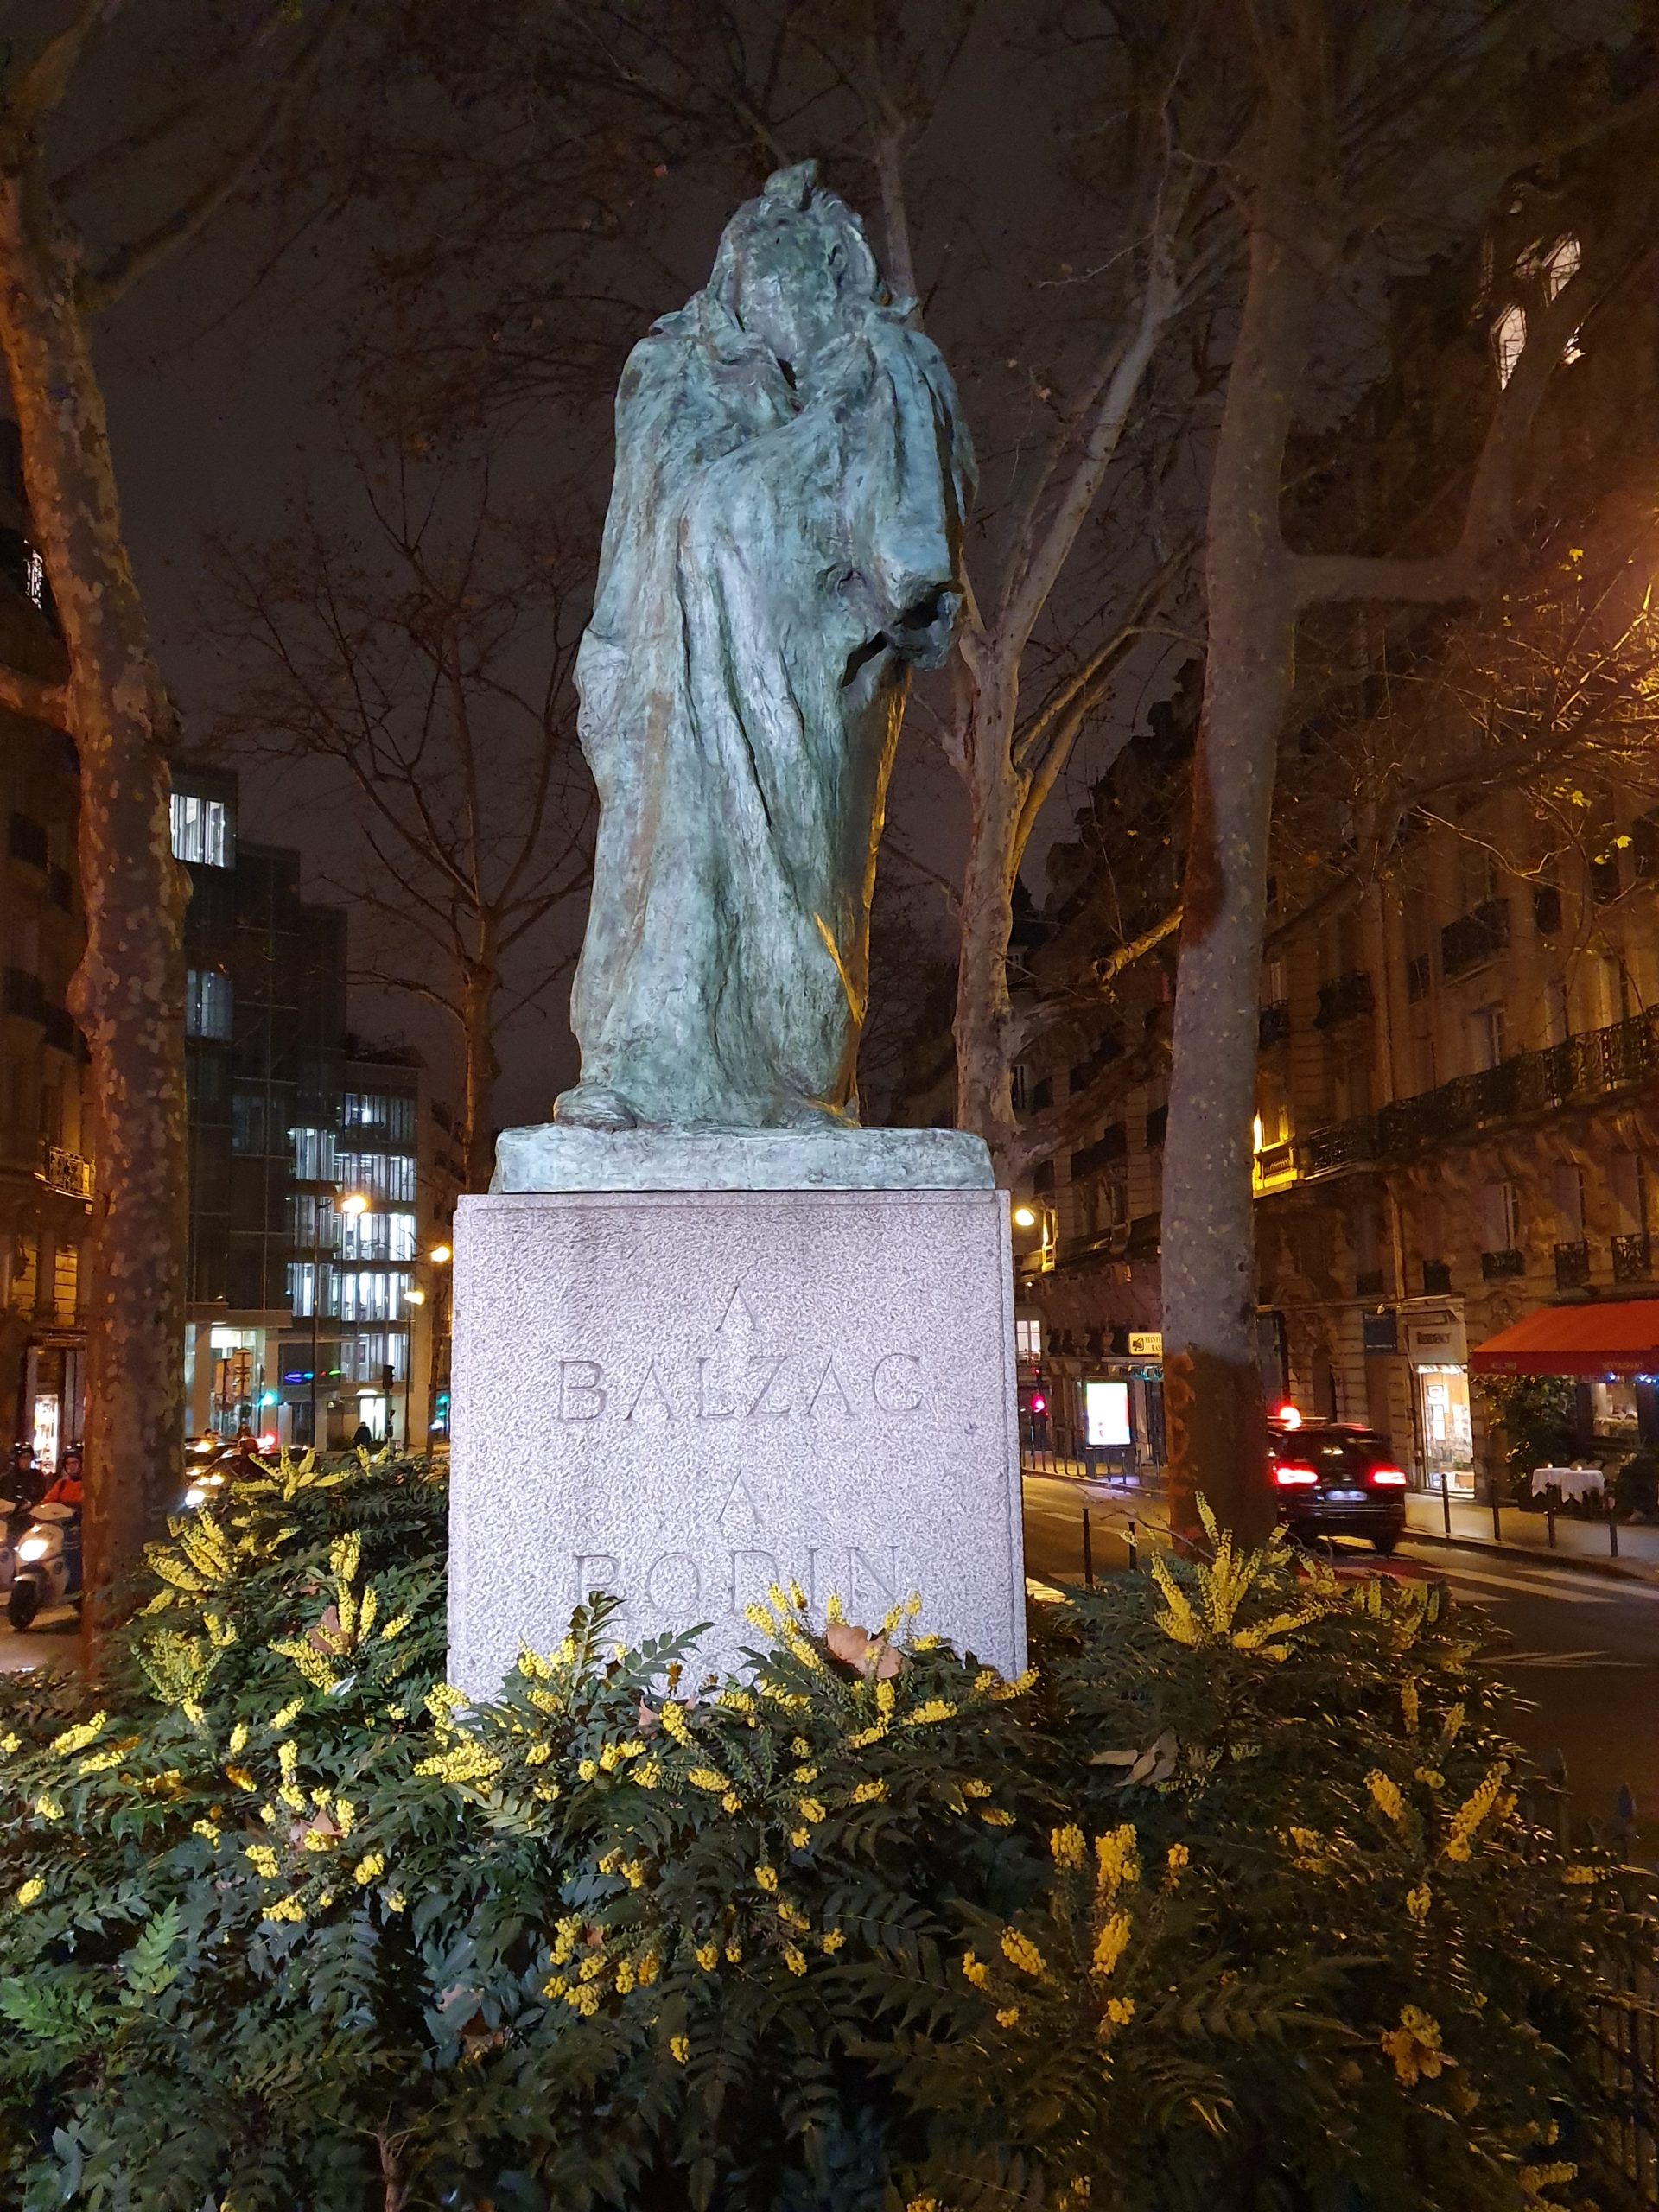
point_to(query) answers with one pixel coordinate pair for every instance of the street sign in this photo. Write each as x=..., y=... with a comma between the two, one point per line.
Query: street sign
x=1146, y=1344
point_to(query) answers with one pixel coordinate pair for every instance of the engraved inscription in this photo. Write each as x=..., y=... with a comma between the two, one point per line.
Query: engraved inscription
x=754, y=1386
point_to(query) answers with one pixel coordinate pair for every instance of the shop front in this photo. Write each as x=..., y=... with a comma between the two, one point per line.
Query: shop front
x=1610, y=1349
x=1437, y=1354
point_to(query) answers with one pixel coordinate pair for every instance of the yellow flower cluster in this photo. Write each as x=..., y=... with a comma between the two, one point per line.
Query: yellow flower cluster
x=1385, y=1794
x=31, y=1891
x=1469, y=1816
x=1111, y=1943
x=869, y=1793
x=370, y=1866
x=1117, y=1865
x=1066, y=1847
x=1019, y=1951
x=1414, y=2047
x=78, y=1737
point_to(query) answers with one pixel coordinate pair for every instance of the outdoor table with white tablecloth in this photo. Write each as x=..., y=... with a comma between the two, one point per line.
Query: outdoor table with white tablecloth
x=1571, y=1482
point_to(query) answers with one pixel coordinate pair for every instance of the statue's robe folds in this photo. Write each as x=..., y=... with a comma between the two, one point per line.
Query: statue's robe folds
x=780, y=549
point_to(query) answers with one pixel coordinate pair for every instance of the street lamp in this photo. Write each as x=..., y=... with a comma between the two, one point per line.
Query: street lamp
x=353, y=1203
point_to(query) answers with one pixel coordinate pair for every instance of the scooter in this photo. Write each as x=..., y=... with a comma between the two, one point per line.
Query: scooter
x=13, y=1519
x=47, y=1571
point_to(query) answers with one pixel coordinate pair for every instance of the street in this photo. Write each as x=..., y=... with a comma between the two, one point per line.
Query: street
x=1583, y=1652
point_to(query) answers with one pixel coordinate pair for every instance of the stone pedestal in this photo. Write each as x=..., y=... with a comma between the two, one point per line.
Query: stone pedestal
x=681, y=1396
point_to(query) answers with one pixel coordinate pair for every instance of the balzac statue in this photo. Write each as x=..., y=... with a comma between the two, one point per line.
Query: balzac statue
x=784, y=545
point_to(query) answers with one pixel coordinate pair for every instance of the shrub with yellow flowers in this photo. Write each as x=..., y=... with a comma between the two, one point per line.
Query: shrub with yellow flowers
x=1231, y=1902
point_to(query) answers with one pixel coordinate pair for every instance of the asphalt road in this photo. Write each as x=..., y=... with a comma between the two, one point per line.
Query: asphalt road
x=1581, y=1650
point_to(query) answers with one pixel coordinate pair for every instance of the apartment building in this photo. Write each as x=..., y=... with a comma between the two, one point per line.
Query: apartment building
x=1457, y=1083
x=46, y=1171
x=309, y=1212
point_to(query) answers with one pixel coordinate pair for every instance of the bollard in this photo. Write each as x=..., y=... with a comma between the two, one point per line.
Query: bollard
x=1129, y=1539
x=1088, y=1553
x=1445, y=1500
x=1497, y=1526
x=1612, y=1528
x=1549, y=1511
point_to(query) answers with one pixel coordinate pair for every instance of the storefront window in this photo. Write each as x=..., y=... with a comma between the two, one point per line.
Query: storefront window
x=1448, y=1434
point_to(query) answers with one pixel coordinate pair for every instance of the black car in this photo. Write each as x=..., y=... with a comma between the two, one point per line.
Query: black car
x=1333, y=1479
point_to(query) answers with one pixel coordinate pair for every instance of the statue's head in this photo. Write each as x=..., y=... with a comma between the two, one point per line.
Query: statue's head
x=794, y=268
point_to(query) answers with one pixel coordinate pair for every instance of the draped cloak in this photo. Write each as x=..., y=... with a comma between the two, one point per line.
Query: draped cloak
x=782, y=543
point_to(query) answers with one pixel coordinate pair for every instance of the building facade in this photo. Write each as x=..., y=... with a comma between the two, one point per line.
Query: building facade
x=47, y=1176
x=1458, y=1079
x=309, y=1207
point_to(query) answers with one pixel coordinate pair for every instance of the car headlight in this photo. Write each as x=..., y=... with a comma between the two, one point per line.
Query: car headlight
x=33, y=1547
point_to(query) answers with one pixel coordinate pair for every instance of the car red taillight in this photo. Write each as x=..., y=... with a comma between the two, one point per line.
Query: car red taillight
x=1388, y=1478
x=1288, y=1475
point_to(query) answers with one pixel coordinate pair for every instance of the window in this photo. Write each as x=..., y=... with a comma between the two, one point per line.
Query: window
x=1020, y=1086
x=390, y=1115
x=1486, y=1037
x=1547, y=909
x=377, y=1235
x=200, y=831
x=1508, y=341
x=366, y=1295
x=1027, y=1338
x=301, y=1288
x=1561, y=264
x=207, y=1003
x=1501, y=1217
x=249, y=1121
x=386, y=1175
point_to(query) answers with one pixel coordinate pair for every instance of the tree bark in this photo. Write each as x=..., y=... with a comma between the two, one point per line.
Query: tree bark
x=983, y=1011
x=480, y=1066
x=1217, y=1429
x=128, y=993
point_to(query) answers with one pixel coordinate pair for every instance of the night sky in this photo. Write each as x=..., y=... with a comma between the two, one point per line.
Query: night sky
x=217, y=416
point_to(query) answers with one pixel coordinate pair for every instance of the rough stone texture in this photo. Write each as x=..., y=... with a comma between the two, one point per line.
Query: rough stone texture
x=682, y=1397
x=552, y=1157
x=783, y=546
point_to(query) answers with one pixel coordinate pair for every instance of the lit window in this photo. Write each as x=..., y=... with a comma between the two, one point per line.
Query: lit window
x=207, y=1003
x=1561, y=264
x=200, y=831
x=1028, y=1340
x=1508, y=341
x=315, y=1160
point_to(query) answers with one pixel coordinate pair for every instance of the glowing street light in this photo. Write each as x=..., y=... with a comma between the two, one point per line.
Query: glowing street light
x=439, y=1253
x=1024, y=1218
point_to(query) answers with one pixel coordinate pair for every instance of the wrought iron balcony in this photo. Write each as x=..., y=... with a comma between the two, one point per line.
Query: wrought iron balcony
x=1273, y=1023
x=1479, y=935
x=1499, y=1267
x=1343, y=999
x=67, y=1172
x=1341, y=1144
x=1574, y=1072
x=1633, y=1258
x=1146, y=1237
x=1572, y=1266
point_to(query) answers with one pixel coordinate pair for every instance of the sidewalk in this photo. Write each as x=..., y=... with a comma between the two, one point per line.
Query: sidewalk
x=1580, y=1544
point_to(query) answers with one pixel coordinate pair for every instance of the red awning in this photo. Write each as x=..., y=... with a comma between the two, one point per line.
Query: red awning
x=1592, y=1339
